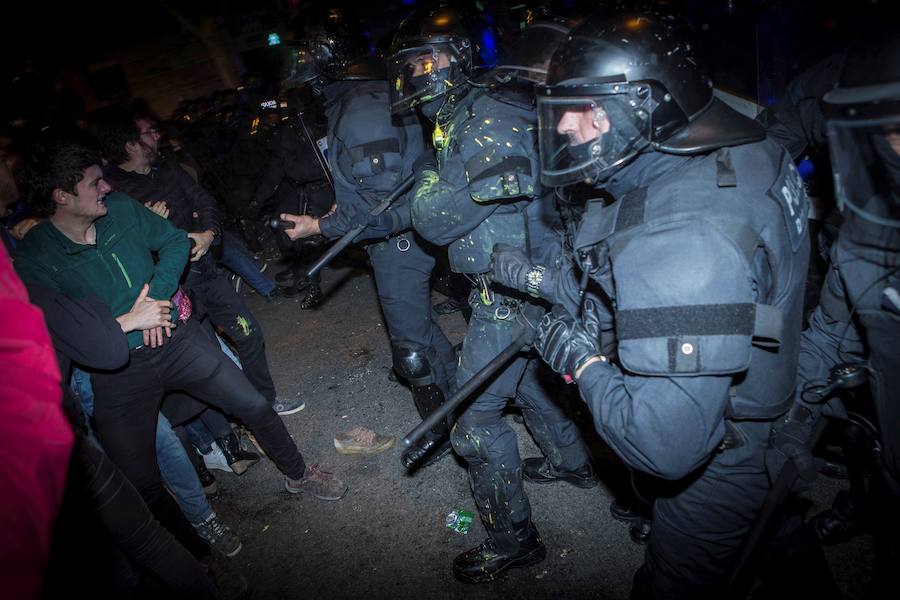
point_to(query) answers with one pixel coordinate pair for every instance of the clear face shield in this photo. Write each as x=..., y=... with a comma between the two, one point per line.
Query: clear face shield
x=587, y=138
x=305, y=62
x=529, y=58
x=865, y=161
x=417, y=75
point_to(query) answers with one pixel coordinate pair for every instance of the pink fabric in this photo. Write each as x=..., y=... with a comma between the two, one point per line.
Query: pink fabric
x=183, y=303
x=37, y=439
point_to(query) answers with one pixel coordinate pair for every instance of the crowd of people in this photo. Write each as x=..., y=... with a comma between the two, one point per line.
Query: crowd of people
x=618, y=223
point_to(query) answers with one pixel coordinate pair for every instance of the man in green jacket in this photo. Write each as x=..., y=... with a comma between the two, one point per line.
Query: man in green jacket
x=98, y=243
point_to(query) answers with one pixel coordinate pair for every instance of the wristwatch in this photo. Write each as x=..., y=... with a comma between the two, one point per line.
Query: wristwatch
x=533, y=279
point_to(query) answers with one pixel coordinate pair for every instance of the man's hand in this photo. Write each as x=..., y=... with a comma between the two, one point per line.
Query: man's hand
x=149, y=315
x=304, y=226
x=154, y=337
x=565, y=345
x=160, y=208
x=203, y=240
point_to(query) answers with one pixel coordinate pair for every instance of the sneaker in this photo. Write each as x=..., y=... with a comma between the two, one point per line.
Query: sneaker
x=321, y=484
x=214, y=459
x=360, y=440
x=288, y=406
x=447, y=307
x=219, y=537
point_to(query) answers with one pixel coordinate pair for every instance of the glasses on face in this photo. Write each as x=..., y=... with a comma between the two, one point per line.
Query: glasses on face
x=151, y=131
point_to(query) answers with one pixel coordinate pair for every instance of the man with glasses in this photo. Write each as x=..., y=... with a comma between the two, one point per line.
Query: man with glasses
x=131, y=145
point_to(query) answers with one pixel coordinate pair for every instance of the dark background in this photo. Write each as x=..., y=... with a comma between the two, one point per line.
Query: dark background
x=61, y=60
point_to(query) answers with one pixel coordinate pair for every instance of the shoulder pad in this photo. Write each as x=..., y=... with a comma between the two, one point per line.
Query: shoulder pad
x=499, y=150
x=684, y=300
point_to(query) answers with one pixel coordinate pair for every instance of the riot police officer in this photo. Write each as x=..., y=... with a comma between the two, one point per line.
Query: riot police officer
x=370, y=153
x=484, y=190
x=858, y=316
x=698, y=268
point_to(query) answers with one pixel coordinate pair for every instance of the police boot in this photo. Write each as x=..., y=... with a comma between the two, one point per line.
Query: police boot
x=238, y=459
x=840, y=523
x=435, y=445
x=487, y=561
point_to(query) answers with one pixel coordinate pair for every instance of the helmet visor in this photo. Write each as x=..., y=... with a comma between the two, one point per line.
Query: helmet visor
x=530, y=56
x=419, y=74
x=587, y=138
x=865, y=161
x=305, y=62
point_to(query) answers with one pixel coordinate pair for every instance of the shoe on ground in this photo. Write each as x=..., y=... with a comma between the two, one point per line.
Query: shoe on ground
x=484, y=563
x=361, y=440
x=540, y=470
x=624, y=513
x=294, y=290
x=214, y=459
x=312, y=298
x=318, y=483
x=285, y=275
x=288, y=406
x=640, y=531
x=219, y=536
x=207, y=480
x=238, y=459
x=425, y=453
x=272, y=296
x=447, y=307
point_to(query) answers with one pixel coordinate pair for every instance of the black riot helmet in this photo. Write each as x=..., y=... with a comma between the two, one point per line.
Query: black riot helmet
x=530, y=54
x=332, y=48
x=436, y=49
x=624, y=82
x=863, y=122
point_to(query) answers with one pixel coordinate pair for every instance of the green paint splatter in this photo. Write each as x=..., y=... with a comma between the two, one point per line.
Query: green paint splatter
x=244, y=324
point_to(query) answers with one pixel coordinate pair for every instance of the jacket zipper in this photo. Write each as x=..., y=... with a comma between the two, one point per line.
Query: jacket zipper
x=122, y=268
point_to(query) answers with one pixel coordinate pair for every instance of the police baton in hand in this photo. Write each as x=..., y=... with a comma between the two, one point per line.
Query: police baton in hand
x=468, y=388
x=348, y=237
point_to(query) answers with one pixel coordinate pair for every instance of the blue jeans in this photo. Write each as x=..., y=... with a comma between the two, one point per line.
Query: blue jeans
x=174, y=464
x=235, y=259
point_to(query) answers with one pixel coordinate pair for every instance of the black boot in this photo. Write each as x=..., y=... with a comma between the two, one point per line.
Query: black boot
x=436, y=443
x=486, y=562
x=238, y=459
x=206, y=479
x=541, y=470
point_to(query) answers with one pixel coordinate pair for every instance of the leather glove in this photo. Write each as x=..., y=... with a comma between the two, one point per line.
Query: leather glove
x=789, y=440
x=510, y=267
x=563, y=343
x=426, y=161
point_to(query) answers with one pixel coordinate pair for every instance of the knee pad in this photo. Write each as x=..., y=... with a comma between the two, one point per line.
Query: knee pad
x=412, y=365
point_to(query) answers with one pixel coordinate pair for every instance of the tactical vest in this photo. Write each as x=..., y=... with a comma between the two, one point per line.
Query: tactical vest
x=489, y=145
x=705, y=269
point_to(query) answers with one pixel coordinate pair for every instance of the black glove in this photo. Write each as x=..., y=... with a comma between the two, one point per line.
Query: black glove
x=425, y=162
x=563, y=343
x=789, y=440
x=510, y=267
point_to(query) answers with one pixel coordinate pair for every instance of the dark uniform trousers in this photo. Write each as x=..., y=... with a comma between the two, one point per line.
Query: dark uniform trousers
x=403, y=280
x=128, y=401
x=484, y=439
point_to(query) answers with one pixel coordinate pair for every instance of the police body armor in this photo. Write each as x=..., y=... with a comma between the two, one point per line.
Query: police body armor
x=489, y=142
x=708, y=262
x=376, y=151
